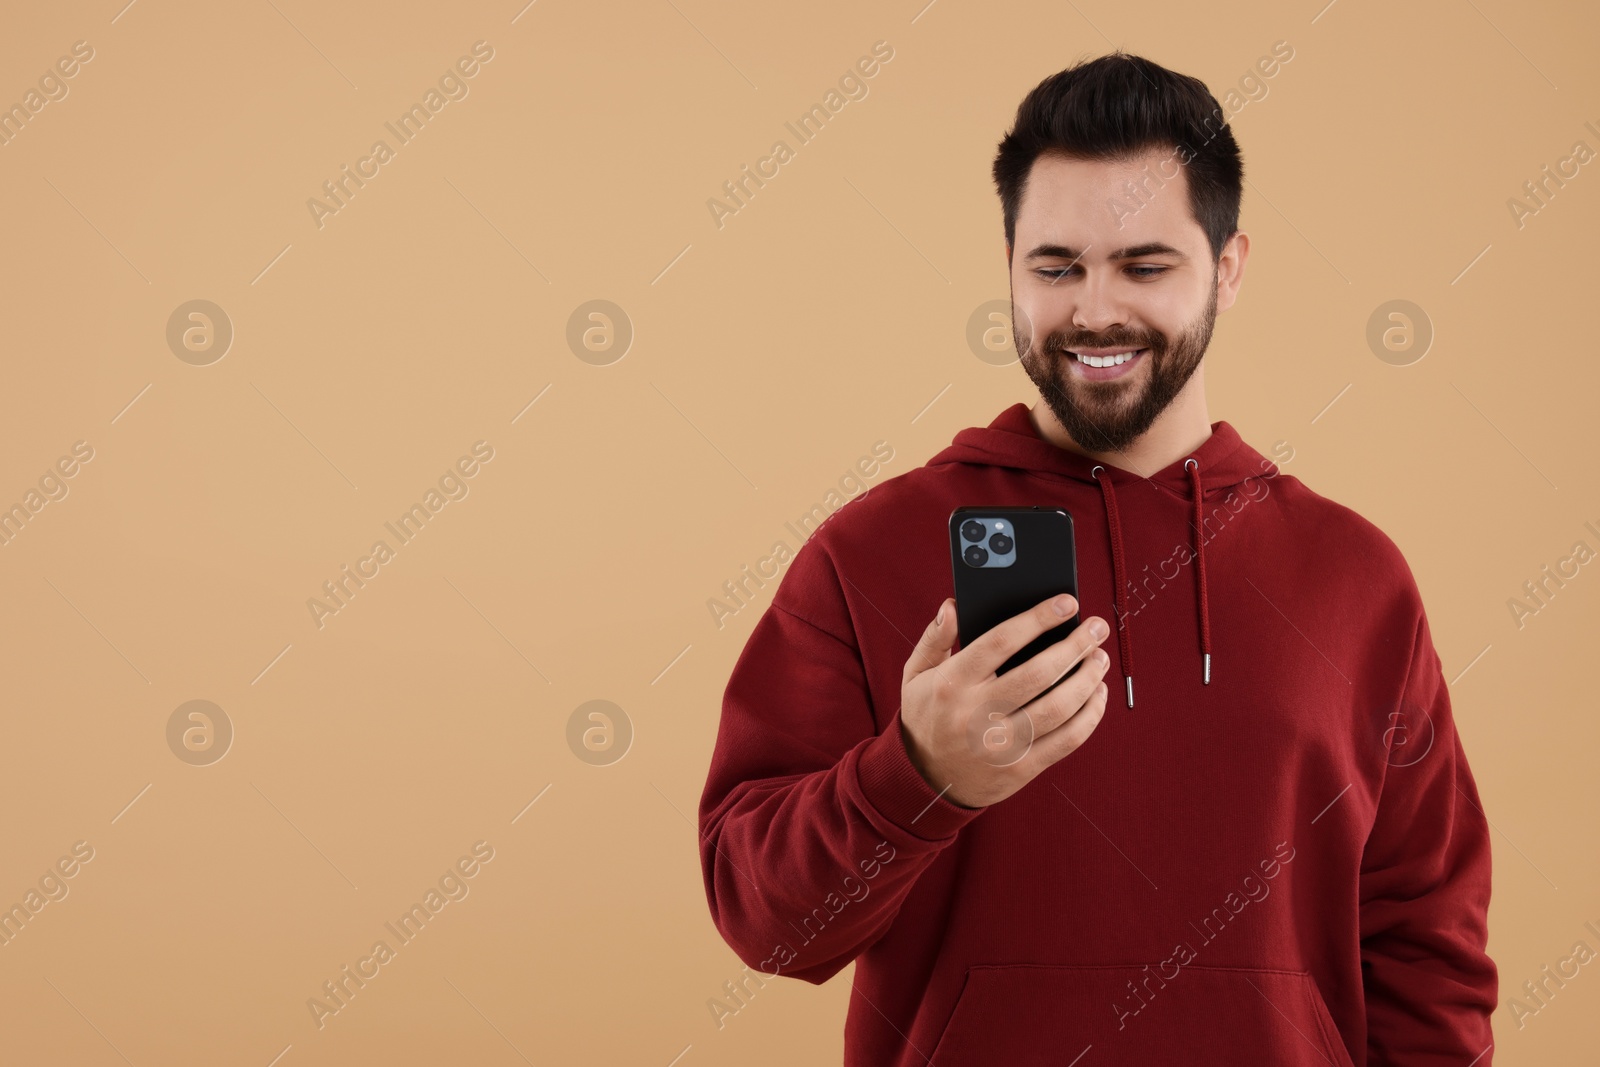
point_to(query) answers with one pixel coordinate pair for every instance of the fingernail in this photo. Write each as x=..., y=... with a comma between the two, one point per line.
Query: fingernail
x=1098, y=629
x=938, y=618
x=1062, y=605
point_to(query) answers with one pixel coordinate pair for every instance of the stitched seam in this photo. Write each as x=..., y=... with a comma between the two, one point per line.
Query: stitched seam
x=1318, y=1010
x=1125, y=966
x=815, y=626
x=944, y=1032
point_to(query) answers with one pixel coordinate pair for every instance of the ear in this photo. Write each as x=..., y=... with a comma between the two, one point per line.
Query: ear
x=1230, y=269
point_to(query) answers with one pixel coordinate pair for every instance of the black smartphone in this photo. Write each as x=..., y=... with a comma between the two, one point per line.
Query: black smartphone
x=1006, y=560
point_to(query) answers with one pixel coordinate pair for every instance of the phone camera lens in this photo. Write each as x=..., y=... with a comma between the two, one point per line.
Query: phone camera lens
x=1000, y=543
x=972, y=530
x=975, y=556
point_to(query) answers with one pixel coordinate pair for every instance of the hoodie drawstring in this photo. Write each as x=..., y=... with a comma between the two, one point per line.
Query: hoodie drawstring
x=1119, y=568
x=1192, y=465
x=1124, y=635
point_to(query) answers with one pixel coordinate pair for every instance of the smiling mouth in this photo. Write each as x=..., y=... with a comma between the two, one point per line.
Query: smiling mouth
x=1110, y=359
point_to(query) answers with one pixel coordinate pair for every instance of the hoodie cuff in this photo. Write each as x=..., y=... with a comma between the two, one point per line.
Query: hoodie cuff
x=891, y=783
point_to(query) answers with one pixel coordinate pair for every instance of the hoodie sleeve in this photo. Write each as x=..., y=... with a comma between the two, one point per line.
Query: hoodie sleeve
x=1430, y=986
x=814, y=825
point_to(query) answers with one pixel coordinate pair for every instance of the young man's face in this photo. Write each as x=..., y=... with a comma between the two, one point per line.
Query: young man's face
x=1096, y=273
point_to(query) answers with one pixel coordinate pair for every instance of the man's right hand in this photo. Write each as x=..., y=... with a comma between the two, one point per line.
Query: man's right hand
x=978, y=736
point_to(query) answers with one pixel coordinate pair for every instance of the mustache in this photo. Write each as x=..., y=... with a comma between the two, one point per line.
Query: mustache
x=1057, y=344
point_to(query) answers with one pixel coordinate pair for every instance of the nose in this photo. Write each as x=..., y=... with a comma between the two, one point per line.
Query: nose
x=1096, y=309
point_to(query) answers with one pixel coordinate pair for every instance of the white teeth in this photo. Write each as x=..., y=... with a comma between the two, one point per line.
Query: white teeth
x=1106, y=361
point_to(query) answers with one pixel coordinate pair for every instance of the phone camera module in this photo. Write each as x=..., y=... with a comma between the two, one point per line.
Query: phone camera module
x=988, y=541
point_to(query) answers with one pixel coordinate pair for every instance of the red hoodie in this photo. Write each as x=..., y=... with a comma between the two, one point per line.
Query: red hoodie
x=1287, y=864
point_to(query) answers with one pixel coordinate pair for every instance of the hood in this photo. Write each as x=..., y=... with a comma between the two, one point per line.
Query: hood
x=1222, y=461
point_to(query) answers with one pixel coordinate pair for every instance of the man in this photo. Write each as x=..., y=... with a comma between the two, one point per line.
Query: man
x=1269, y=851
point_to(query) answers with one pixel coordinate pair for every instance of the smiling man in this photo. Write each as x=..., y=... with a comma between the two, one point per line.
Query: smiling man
x=1275, y=855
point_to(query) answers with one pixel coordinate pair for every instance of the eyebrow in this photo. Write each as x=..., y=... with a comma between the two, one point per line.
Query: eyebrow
x=1149, y=248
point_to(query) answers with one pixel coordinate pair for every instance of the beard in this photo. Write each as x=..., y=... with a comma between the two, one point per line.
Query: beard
x=1109, y=416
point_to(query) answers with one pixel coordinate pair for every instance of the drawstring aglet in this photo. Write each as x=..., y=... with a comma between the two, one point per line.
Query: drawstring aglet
x=1208, y=667
x=1129, y=679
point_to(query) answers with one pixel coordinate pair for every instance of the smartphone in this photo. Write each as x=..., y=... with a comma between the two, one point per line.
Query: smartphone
x=1005, y=561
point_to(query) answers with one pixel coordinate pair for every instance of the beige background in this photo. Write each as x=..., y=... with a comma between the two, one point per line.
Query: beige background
x=830, y=313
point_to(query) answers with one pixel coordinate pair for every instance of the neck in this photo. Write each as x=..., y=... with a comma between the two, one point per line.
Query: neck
x=1180, y=429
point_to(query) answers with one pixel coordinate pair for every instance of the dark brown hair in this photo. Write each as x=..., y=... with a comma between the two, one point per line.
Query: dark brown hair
x=1116, y=108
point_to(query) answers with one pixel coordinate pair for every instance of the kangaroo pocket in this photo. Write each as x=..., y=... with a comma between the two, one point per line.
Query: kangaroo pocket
x=1036, y=1014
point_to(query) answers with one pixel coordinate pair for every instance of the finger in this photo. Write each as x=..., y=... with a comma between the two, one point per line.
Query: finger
x=1049, y=711
x=1019, y=728
x=1028, y=680
x=933, y=648
x=1070, y=735
x=980, y=659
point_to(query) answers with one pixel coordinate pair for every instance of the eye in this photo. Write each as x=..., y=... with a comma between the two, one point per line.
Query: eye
x=1142, y=271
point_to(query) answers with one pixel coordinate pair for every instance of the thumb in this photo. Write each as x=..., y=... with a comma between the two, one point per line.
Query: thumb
x=933, y=648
